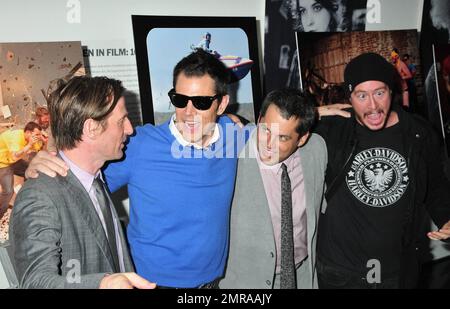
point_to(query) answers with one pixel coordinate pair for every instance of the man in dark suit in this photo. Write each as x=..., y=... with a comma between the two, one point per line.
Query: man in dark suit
x=64, y=231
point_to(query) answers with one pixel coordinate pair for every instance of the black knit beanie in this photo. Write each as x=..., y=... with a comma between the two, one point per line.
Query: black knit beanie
x=365, y=67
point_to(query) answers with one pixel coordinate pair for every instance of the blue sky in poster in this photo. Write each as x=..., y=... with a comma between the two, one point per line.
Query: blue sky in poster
x=167, y=46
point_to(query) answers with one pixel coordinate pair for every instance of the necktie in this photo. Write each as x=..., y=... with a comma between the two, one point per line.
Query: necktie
x=287, y=280
x=105, y=207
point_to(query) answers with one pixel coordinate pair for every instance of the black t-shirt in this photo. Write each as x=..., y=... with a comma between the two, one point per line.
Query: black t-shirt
x=364, y=218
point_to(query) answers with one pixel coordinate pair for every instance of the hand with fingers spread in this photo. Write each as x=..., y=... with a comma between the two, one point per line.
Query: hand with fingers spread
x=125, y=281
x=441, y=234
x=334, y=110
x=47, y=163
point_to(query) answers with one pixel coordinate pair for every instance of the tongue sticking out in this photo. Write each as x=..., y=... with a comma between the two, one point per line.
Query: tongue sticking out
x=374, y=118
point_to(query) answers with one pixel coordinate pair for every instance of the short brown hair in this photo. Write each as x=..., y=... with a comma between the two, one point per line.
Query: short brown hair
x=30, y=126
x=201, y=63
x=78, y=100
x=41, y=111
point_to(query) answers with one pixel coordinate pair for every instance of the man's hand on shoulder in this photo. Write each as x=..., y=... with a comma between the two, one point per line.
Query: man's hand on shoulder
x=47, y=163
x=236, y=120
x=334, y=110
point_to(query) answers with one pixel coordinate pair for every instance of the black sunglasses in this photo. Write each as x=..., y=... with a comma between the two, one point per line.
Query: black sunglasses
x=200, y=102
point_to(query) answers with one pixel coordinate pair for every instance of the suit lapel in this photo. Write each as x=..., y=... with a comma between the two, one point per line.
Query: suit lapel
x=85, y=207
x=309, y=178
x=253, y=172
x=125, y=252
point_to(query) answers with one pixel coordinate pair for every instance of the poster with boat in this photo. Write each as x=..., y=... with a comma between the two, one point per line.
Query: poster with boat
x=161, y=43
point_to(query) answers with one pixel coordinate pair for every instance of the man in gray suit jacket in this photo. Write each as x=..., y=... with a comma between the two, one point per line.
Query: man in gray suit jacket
x=281, y=138
x=64, y=231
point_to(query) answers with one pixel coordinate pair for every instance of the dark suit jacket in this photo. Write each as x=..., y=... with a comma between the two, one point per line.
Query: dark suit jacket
x=57, y=237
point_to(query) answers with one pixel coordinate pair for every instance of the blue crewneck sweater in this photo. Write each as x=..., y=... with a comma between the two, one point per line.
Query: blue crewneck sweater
x=180, y=201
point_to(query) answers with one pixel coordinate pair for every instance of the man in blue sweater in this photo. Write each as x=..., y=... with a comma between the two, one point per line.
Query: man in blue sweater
x=180, y=178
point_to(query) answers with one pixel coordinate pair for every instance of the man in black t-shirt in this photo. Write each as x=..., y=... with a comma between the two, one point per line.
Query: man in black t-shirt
x=383, y=171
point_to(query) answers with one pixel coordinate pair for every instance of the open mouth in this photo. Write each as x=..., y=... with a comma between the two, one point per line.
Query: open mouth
x=192, y=126
x=374, y=118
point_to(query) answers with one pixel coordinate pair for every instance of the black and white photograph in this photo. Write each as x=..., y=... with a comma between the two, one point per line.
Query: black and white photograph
x=285, y=17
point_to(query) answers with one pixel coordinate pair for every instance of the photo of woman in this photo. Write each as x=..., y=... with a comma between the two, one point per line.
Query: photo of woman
x=318, y=15
x=286, y=17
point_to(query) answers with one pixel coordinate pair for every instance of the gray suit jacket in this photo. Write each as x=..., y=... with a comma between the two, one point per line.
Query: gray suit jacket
x=252, y=253
x=57, y=237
